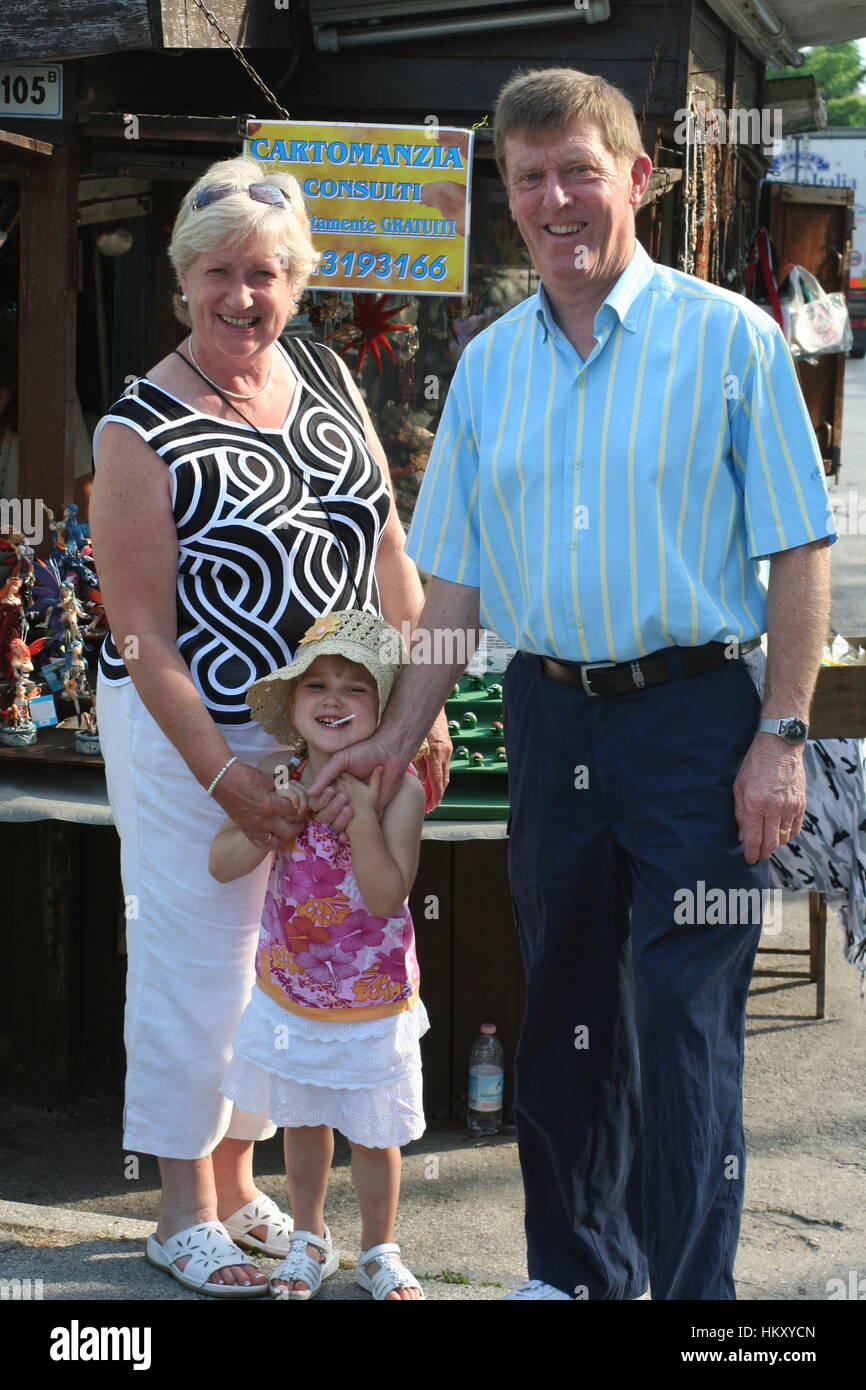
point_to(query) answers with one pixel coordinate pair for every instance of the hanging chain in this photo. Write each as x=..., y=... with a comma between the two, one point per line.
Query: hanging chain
x=247, y=67
x=653, y=65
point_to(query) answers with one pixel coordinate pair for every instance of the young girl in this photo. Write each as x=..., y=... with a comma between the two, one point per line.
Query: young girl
x=329, y=1039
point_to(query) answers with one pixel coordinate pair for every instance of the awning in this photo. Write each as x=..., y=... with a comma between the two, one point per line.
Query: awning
x=832, y=21
x=775, y=30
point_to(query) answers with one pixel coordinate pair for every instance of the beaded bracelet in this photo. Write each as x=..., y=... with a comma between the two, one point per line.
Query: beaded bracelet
x=222, y=772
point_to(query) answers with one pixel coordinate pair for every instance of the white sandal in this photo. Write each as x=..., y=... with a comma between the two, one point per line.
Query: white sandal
x=300, y=1264
x=262, y=1211
x=391, y=1274
x=210, y=1248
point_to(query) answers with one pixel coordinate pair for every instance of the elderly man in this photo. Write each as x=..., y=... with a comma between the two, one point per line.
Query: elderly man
x=614, y=455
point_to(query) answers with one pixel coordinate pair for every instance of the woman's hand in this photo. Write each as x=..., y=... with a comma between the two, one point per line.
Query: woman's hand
x=265, y=816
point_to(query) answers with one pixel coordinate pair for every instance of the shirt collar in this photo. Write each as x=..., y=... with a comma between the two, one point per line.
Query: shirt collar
x=622, y=299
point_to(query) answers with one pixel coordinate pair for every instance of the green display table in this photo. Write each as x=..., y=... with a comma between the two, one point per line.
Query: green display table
x=478, y=789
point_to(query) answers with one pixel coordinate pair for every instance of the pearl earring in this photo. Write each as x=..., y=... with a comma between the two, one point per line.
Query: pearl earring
x=184, y=299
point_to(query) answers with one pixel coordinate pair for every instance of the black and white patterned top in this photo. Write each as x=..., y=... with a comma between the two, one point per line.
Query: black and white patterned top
x=258, y=559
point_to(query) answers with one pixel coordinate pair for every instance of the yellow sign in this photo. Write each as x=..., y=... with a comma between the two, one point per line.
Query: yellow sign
x=388, y=205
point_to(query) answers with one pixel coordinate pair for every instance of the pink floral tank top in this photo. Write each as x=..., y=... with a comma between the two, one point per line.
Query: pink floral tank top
x=320, y=948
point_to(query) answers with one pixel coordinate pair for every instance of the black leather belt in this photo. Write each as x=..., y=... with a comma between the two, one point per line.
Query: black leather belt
x=621, y=677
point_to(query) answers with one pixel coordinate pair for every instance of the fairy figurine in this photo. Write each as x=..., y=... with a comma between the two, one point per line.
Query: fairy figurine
x=18, y=728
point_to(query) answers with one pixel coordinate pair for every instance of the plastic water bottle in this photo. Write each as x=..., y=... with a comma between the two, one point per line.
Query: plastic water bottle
x=486, y=1080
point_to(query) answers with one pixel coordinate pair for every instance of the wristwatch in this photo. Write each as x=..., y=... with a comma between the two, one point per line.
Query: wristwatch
x=793, y=731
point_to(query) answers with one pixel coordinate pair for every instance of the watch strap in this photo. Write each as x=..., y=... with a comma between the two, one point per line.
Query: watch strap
x=776, y=726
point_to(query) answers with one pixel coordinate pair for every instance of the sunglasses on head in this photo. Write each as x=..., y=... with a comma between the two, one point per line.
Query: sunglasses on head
x=259, y=192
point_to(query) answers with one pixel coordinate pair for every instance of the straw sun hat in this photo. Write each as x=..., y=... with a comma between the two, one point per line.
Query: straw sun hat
x=355, y=635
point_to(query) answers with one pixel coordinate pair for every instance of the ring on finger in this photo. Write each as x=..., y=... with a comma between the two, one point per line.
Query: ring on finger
x=269, y=837
x=785, y=830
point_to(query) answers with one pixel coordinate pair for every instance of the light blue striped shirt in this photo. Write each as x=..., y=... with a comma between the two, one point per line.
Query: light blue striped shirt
x=611, y=507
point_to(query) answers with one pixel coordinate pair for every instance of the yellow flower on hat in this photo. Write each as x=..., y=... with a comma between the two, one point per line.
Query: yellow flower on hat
x=322, y=627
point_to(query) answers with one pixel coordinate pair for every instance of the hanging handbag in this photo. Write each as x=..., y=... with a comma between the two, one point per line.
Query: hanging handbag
x=761, y=280
x=819, y=321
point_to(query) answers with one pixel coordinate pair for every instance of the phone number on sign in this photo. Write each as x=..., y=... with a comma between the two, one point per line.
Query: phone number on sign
x=382, y=265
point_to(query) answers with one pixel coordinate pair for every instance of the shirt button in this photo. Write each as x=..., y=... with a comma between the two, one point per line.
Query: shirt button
x=572, y=545
x=578, y=463
x=582, y=383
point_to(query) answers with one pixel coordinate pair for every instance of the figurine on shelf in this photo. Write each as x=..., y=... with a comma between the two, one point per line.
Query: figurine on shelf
x=87, y=735
x=98, y=625
x=68, y=539
x=24, y=552
x=75, y=665
x=18, y=728
x=17, y=661
x=76, y=536
x=45, y=613
x=11, y=611
x=70, y=611
x=58, y=537
x=11, y=592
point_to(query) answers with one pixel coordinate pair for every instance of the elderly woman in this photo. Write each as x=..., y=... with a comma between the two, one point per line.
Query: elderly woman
x=240, y=493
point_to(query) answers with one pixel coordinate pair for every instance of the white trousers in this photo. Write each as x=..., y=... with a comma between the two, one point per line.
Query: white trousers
x=190, y=940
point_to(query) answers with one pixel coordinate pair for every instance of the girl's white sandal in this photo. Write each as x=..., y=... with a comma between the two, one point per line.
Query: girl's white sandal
x=299, y=1264
x=392, y=1273
x=262, y=1211
x=210, y=1248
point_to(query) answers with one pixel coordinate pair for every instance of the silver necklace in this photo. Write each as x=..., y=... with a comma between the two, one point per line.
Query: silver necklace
x=237, y=394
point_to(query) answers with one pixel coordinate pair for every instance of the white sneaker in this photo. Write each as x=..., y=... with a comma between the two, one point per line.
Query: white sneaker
x=535, y=1288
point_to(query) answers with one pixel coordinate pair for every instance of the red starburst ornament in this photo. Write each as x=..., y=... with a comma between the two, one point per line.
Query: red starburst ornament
x=373, y=321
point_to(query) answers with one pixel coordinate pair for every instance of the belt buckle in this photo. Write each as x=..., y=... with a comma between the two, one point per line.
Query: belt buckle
x=593, y=666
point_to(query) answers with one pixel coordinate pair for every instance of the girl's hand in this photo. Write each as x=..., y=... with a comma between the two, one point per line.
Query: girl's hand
x=296, y=795
x=361, y=796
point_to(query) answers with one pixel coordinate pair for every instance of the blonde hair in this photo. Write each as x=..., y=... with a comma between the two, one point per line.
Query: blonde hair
x=231, y=221
x=547, y=100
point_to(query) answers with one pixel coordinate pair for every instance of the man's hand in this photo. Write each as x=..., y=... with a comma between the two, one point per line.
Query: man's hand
x=360, y=760
x=769, y=796
x=435, y=768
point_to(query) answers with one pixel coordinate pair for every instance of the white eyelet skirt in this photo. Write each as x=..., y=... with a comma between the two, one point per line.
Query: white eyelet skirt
x=190, y=940
x=363, y=1079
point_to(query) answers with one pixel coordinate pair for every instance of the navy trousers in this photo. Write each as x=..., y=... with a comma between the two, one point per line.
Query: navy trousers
x=628, y=1073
